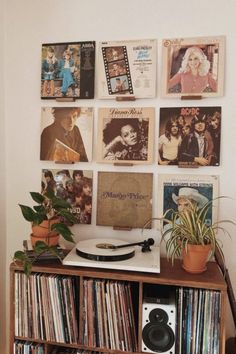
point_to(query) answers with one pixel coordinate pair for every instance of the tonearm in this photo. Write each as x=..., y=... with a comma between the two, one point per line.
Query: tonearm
x=145, y=244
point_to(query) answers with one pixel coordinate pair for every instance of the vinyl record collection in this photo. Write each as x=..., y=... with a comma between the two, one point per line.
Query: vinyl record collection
x=199, y=312
x=46, y=307
x=21, y=347
x=72, y=351
x=108, y=315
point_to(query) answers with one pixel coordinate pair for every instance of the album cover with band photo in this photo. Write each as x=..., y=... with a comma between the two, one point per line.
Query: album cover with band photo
x=125, y=135
x=67, y=70
x=66, y=134
x=124, y=199
x=189, y=136
x=174, y=192
x=127, y=68
x=74, y=186
x=193, y=66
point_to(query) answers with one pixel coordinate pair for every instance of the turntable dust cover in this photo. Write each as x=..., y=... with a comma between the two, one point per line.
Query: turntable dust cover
x=124, y=199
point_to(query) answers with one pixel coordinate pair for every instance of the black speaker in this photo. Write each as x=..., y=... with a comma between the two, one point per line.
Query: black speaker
x=158, y=327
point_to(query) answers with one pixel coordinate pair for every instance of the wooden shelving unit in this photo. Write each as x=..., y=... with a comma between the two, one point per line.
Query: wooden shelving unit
x=175, y=276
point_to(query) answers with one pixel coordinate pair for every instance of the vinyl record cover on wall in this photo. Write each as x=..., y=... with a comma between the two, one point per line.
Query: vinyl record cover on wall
x=193, y=66
x=189, y=136
x=127, y=68
x=174, y=192
x=74, y=186
x=125, y=135
x=66, y=134
x=124, y=199
x=67, y=70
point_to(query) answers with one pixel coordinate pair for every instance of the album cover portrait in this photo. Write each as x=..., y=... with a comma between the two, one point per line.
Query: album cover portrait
x=125, y=135
x=175, y=191
x=189, y=136
x=74, y=186
x=66, y=134
x=124, y=199
x=67, y=70
x=193, y=66
x=127, y=68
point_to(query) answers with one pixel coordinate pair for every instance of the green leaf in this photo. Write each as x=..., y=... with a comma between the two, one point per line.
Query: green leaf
x=58, y=204
x=38, y=218
x=40, y=247
x=37, y=197
x=50, y=194
x=28, y=213
x=20, y=256
x=39, y=209
x=68, y=216
x=64, y=231
x=54, y=251
x=27, y=268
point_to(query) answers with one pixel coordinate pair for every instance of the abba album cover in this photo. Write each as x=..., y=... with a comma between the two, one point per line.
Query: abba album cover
x=175, y=190
x=193, y=66
x=127, y=68
x=74, y=186
x=66, y=134
x=189, y=136
x=125, y=135
x=124, y=199
x=67, y=70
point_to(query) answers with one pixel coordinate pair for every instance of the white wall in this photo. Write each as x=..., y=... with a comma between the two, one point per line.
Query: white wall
x=3, y=190
x=31, y=23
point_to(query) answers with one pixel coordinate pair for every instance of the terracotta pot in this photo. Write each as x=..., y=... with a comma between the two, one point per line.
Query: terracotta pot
x=42, y=232
x=194, y=261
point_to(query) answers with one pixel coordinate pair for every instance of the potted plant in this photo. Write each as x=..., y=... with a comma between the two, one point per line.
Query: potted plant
x=187, y=234
x=50, y=218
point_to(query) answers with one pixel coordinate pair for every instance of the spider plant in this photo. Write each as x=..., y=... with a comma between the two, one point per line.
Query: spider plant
x=189, y=227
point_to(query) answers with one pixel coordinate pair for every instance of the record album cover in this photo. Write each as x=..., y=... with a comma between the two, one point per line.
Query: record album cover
x=189, y=136
x=127, y=68
x=66, y=134
x=125, y=135
x=174, y=191
x=67, y=70
x=74, y=186
x=124, y=199
x=193, y=66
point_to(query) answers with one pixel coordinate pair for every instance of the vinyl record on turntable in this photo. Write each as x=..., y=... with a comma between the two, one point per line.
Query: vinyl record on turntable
x=104, y=250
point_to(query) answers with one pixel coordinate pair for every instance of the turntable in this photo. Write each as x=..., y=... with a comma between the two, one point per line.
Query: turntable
x=115, y=254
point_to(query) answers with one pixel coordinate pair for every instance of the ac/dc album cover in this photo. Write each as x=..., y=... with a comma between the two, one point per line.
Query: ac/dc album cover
x=174, y=192
x=124, y=199
x=127, y=68
x=66, y=134
x=67, y=70
x=125, y=135
x=74, y=186
x=189, y=136
x=193, y=66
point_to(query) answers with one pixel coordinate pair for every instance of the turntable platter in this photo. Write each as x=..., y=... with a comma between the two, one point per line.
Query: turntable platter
x=102, y=250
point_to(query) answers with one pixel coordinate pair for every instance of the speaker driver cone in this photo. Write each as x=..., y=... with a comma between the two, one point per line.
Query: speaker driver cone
x=158, y=337
x=158, y=315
